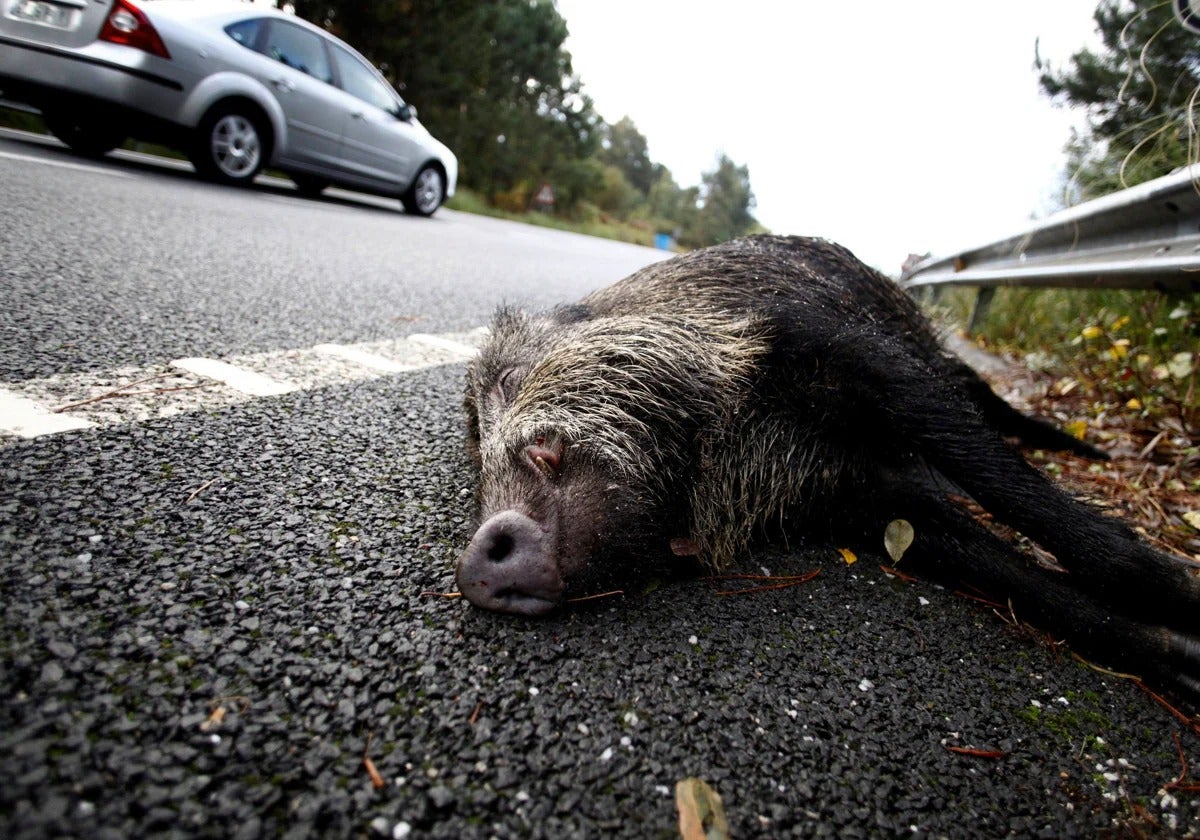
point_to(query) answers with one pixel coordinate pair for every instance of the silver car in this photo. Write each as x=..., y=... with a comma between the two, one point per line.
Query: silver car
x=235, y=86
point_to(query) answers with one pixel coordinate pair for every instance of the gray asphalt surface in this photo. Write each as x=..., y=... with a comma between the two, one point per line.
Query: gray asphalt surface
x=122, y=262
x=208, y=620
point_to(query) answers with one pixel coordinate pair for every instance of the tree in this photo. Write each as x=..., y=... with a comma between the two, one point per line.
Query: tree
x=624, y=147
x=725, y=204
x=490, y=77
x=1138, y=91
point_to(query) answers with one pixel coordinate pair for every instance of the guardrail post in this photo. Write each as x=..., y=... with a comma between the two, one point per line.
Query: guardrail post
x=983, y=301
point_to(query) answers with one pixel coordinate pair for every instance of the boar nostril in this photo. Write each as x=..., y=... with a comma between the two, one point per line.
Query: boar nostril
x=500, y=548
x=510, y=566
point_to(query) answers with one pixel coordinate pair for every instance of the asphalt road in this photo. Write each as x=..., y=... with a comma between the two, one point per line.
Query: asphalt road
x=210, y=618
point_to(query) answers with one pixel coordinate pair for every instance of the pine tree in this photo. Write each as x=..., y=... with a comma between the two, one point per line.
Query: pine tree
x=1140, y=93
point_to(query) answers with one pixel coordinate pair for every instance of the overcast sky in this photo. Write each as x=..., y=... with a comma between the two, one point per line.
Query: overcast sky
x=889, y=127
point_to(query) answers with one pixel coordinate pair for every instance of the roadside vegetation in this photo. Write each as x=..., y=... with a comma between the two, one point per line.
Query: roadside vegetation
x=1120, y=367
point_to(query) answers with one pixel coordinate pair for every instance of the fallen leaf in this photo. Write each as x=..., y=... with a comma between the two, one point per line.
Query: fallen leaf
x=849, y=556
x=1181, y=365
x=215, y=718
x=377, y=781
x=897, y=537
x=701, y=814
x=1077, y=429
x=1192, y=517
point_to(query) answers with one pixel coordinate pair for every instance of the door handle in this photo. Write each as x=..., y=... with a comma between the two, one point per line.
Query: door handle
x=284, y=84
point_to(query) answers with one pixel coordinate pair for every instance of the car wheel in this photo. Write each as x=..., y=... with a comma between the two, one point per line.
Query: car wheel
x=84, y=133
x=309, y=186
x=426, y=194
x=231, y=146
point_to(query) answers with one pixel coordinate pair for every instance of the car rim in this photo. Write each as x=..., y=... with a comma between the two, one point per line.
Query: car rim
x=428, y=191
x=235, y=146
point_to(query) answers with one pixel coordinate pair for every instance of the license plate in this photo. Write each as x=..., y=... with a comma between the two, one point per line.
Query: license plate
x=43, y=12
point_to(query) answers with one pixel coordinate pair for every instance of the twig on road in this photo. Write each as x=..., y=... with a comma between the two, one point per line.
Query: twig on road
x=115, y=392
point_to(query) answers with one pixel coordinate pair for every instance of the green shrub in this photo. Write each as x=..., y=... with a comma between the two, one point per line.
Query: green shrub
x=1138, y=349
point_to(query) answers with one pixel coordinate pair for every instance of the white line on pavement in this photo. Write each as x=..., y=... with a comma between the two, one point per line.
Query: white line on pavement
x=239, y=379
x=25, y=418
x=137, y=394
x=443, y=343
x=362, y=357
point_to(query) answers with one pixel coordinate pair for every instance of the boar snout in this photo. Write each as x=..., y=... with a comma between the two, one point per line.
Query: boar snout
x=510, y=567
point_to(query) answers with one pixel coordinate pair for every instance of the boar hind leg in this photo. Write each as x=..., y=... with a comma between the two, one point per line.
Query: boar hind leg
x=936, y=420
x=950, y=545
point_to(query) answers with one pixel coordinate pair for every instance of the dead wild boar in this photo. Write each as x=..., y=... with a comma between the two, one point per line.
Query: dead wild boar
x=776, y=386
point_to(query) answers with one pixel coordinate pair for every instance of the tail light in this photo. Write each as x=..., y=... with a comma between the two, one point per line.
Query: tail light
x=127, y=24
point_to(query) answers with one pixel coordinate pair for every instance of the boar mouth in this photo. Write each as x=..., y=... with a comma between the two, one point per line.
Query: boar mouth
x=510, y=566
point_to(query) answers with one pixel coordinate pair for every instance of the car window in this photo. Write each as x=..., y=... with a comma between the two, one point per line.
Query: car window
x=245, y=32
x=358, y=79
x=296, y=47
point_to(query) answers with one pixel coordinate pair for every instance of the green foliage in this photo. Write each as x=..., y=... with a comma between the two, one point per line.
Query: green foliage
x=624, y=147
x=21, y=120
x=492, y=79
x=1138, y=91
x=587, y=219
x=725, y=205
x=1130, y=351
x=616, y=195
x=1135, y=350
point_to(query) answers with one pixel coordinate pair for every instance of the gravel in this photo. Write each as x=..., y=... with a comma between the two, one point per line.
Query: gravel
x=209, y=620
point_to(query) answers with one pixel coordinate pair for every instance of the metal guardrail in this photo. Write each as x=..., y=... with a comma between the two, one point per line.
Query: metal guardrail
x=1144, y=237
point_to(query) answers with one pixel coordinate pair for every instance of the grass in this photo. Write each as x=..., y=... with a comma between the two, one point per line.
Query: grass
x=1128, y=350
x=603, y=226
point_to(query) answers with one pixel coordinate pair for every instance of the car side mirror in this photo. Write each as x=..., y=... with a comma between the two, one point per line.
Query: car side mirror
x=406, y=112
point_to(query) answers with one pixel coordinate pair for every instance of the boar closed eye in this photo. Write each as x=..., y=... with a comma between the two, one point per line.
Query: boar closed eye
x=508, y=383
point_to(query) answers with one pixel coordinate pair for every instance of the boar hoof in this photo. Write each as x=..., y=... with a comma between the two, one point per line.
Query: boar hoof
x=509, y=567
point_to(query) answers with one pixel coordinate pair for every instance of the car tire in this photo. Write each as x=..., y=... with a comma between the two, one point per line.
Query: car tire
x=427, y=192
x=231, y=145
x=309, y=185
x=83, y=132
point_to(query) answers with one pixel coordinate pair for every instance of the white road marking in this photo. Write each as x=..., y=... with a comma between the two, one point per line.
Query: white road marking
x=25, y=418
x=362, y=357
x=134, y=395
x=239, y=379
x=443, y=343
x=61, y=164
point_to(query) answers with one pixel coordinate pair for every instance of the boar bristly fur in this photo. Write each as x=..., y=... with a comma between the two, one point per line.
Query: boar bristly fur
x=777, y=388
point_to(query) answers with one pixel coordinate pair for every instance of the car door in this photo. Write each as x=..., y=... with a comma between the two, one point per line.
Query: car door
x=377, y=144
x=295, y=67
